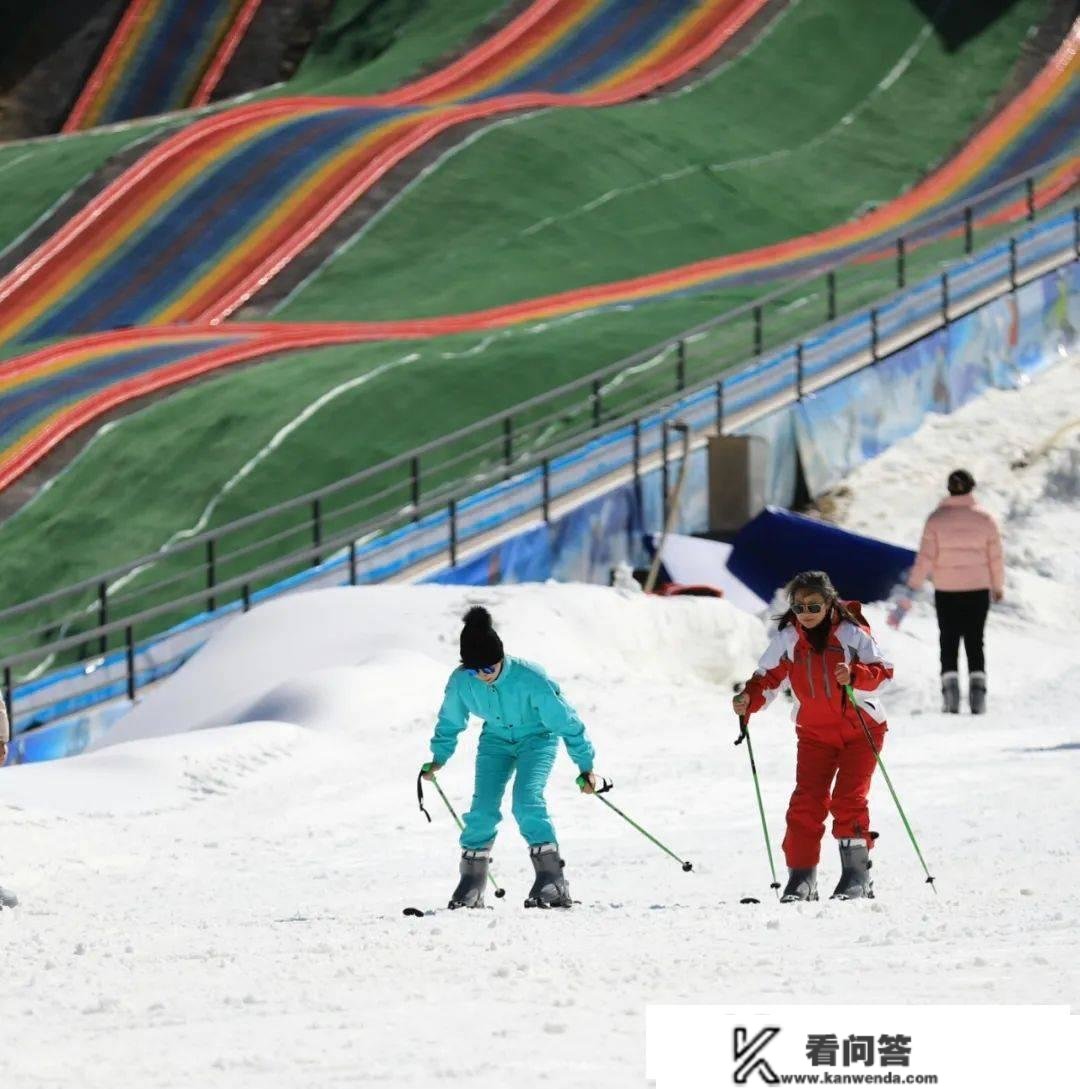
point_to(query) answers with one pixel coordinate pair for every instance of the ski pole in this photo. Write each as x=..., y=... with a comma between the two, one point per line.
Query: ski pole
x=499, y=892
x=744, y=735
x=607, y=784
x=881, y=764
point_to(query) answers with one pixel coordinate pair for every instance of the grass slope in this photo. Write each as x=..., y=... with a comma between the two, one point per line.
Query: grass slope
x=159, y=470
x=773, y=146
x=367, y=47
x=155, y=472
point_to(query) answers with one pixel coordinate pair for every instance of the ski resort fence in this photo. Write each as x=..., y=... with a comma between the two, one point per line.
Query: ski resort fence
x=829, y=401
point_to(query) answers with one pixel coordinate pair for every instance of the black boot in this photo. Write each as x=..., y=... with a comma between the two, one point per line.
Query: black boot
x=950, y=693
x=8, y=899
x=977, y=693
x=550, y=889
x=474, y=872
x=802, y=885
x=855, y=883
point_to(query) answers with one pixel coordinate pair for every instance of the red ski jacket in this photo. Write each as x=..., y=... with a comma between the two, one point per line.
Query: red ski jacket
x=822, y=710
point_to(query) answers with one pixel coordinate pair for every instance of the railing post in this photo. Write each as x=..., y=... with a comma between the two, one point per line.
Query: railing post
x=352, y=563
x=211, y=575
x=664, y=468
x=901, y=263
x=245, y=597
x=103, y=615
x=9, y=701
x=720, y=406
x=945, y=298
x=596, y=408
x=453, y=542
x=758, y=330
x=414, y=474
x=680, y=365
x=1029, y=184
x=969, y=231
x=508, y=439
x=545, y=485
x=316, y=530
x=874, y=335
x=129, y=653
x=637, y=452
x=1012, y=264
x=830, y=284
x=799, y=352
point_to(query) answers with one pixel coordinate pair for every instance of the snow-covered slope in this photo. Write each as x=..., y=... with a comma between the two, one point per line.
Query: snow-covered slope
x=217, y=900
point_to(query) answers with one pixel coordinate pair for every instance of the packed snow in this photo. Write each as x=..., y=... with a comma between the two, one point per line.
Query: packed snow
x=215, y=897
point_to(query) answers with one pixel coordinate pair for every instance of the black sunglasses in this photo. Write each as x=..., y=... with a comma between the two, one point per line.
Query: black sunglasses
x=812, y=609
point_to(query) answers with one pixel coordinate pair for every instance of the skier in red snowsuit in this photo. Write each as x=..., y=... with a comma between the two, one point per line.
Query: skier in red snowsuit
x=821, y=645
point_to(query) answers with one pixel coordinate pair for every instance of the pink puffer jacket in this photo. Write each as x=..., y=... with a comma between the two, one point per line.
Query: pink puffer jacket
x=960, y=548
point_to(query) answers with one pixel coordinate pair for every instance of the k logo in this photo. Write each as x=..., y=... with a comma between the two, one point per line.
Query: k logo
x=748, y=1056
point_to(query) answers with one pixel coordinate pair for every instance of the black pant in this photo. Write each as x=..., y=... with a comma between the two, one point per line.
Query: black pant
x=962, y=614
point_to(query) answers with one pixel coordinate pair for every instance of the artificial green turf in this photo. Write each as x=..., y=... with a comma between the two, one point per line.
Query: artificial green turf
x=155, y=472
x=370, y=46
x=35, y=174
x=366, y=47
x=778, y=143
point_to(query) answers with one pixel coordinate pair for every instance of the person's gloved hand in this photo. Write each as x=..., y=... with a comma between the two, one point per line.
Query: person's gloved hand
x=427, y=771
x=741, y=704
x=590, y=783
x=898, y=612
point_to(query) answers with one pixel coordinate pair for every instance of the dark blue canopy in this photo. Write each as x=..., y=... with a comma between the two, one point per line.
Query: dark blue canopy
x=777, y=545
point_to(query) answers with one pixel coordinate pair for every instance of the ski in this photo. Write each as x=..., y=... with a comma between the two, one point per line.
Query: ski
x=422, y=913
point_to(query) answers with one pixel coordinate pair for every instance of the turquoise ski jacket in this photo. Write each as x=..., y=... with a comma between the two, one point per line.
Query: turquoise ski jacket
x=523, y=702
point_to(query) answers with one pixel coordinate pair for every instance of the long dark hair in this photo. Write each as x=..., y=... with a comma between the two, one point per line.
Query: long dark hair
x=817, y=582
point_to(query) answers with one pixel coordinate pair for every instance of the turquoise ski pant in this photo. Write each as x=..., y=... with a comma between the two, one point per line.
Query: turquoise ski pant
x=532, y=759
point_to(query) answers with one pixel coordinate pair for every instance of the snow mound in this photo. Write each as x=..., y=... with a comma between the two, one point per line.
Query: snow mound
x=153, y=776
x=223, y=907
x=352, y=659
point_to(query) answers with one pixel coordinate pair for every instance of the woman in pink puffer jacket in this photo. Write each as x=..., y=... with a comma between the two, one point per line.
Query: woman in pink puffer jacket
x=961, y=553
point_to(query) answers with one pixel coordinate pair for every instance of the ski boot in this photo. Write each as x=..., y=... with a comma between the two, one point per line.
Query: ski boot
x=977, y=693
x=474, y=872
x=950, y=693
x=8, y=899
x=802, y=885
x=855, y=883
x=550, y=889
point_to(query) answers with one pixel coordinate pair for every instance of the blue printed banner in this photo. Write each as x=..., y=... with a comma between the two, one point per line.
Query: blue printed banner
x=999, y=345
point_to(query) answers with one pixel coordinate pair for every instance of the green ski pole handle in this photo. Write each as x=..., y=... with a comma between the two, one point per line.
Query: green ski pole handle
x=892, y=790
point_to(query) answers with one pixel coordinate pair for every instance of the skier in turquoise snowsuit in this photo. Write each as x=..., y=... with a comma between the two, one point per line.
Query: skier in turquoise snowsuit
x=524, y=715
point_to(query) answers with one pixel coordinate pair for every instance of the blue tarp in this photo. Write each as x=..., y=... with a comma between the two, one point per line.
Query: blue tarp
x=777, y=545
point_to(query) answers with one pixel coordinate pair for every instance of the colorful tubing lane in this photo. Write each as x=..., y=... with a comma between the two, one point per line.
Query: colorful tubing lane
x=50, y=394
x=158, y=59
x=38, y=409
x=209, y=216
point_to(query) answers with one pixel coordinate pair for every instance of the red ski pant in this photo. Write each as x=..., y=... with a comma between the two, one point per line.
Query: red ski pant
x=818, y=763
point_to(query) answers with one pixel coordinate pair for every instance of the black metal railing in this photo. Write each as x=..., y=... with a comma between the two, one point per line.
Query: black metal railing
x=234, y=561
